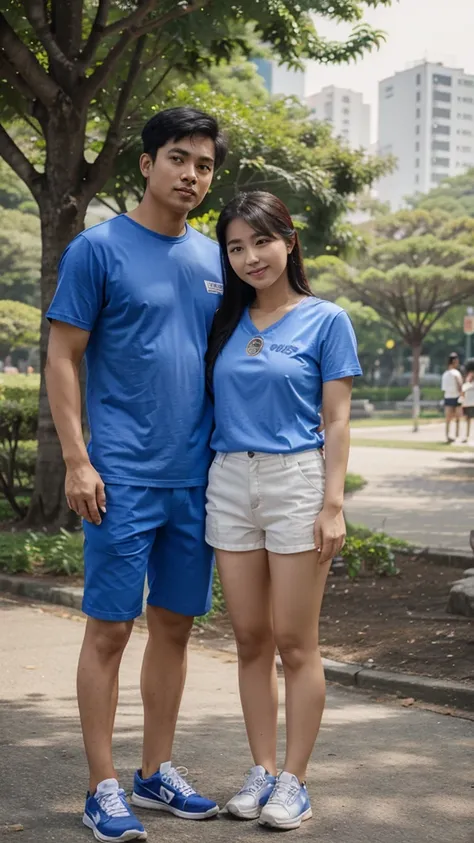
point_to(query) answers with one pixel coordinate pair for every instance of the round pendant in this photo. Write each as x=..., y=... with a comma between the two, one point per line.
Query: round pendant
x=254, y=347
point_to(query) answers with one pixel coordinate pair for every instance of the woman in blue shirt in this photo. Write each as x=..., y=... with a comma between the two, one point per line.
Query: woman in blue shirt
x=278, y=358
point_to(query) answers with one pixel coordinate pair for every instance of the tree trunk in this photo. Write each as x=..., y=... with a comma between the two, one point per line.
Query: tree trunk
x=48, y=505
x=416, y=352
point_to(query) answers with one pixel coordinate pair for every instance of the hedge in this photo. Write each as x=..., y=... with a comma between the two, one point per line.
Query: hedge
x=378, y=394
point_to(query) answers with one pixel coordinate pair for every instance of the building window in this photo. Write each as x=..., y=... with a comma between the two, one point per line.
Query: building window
x=466, y=132
x=440, y=146
x=418, y=78
x=440, y=79
x=418, y=114
x=346, y=99
x=417, y=130
x=469, y=83
x=441, y=96
x=436, y=178
x=346, y=111
x=440, y=162
x=417, y=146
x=388, y=92
x=417, y=163
x=438, y=129
x=345, y=122
x=442, y=112
x=417, y=179
x=418, y=96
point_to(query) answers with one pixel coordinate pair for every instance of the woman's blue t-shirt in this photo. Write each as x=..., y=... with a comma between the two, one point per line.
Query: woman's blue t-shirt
x=268, y=384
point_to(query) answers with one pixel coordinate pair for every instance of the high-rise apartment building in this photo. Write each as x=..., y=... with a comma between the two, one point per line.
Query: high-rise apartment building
x=280, y=80
x=426, y=120
x=347, y=113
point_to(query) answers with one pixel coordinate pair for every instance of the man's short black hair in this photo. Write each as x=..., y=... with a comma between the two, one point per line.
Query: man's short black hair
x=173, y=124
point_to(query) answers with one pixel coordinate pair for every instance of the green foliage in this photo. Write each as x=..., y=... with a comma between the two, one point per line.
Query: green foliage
x=353, y=483
x=378, y=394
x=18, y=426
x=29, y=552
x=20, y=256
x=454, y=197
x=19, y=325
x=372, y=553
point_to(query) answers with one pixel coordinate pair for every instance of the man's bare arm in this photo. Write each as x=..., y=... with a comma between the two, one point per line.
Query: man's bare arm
x=84, y=487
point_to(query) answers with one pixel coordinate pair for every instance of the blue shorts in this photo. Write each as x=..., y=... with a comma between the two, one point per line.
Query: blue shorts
x=159, y=532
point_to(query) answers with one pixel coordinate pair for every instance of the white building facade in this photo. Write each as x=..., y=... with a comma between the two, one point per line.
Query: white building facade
x=345, y=111
x=426, y=120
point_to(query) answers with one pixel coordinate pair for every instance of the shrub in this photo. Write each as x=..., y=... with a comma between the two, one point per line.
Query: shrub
x=379, y=394
x=59, y=554
x=370, y=552
x=18, y=425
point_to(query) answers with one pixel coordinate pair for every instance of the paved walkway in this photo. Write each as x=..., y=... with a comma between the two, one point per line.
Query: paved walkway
x=382, y=773
x=426, y=497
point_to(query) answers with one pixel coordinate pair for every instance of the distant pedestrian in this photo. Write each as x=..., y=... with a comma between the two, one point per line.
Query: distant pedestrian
x=451, y=384
x=468, y=397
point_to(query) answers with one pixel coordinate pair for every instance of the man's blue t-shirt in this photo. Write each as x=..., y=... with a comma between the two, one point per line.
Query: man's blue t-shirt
x=268, y=384
x=148, y=301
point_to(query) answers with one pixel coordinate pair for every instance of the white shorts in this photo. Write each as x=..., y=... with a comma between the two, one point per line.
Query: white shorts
x=270, y=501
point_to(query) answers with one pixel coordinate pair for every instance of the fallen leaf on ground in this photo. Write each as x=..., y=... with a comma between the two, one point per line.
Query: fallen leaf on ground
x=16, y=827
x=408, y=701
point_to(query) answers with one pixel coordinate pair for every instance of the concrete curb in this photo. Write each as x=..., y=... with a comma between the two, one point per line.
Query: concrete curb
x=450, y=558
x=439, y=691
x=424, y=688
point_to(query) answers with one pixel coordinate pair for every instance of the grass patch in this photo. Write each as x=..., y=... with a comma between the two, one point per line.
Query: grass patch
x=353, y=483
x=409, y=445
x=393, y=421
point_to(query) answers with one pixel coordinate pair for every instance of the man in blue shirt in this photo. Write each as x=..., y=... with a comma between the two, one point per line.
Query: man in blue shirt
x=137, y=295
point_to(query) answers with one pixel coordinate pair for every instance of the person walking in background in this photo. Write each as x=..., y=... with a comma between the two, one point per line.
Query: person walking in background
x=277, y=357
x=468, y=397
x=137, y=294
x=451, y=384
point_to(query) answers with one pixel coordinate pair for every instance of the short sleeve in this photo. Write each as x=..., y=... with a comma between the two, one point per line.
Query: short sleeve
x=338, y=352
x=79, y=295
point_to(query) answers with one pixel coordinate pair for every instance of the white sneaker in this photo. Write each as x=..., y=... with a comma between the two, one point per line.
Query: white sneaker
x=249, y=801
x=288, y=805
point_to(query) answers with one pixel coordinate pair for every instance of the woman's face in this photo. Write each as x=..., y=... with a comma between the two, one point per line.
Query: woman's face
x=257, y=259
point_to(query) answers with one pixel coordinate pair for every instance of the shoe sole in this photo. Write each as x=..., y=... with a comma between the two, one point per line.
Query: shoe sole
x=154, y=805
x=253, y=814
x=127, y=835
x=287, y=825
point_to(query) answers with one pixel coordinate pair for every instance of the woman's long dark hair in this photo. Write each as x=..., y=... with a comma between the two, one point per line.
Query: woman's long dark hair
x=269, y=216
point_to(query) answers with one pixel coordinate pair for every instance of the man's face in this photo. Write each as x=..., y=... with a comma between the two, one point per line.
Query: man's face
x=181, y=174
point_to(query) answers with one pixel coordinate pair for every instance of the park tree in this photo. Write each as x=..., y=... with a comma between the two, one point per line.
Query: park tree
x=69, y=67
x=411, y=279
x=20, y=256
x=19, y=326
x=454, y=196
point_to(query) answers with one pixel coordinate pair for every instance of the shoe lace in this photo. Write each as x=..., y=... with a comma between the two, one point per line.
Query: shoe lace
x=175, y=778
x=284, y=793
x=113, y=803
x=253, y=785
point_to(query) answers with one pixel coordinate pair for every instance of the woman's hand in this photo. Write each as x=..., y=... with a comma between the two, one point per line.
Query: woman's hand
x=329, y=533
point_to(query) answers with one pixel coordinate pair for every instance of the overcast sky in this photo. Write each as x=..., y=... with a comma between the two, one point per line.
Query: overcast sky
x=436, y=30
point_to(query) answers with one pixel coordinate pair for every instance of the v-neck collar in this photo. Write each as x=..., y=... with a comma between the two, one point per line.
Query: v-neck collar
x=252, y=328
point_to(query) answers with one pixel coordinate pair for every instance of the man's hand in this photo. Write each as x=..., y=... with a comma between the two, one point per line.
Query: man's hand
x=85, y=492
x=329, y=534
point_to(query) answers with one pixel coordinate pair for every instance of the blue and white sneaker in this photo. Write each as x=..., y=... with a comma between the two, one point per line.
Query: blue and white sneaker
x=288, y=805
x=249, y=801
x=166, y=790
x=108, y=815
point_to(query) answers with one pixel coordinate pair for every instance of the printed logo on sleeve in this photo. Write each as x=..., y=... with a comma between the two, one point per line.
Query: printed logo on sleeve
x=214, y=287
